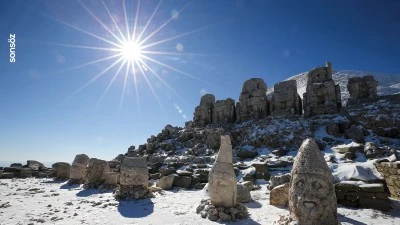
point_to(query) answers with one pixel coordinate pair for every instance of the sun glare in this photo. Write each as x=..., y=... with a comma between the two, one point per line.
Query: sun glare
x=131, y=51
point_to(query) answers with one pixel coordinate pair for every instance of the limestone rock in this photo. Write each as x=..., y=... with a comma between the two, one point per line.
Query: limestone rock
x=279, y=195
x=182, y=181
x=79, y=168
x=166, y=182
x=285, y=99
x=278, y=180
x=222, y=179
x=61, y=170
x=322, y=96
x=356, y=133
x=312, y=198
x=96, y=171
x=134, y=171
x=204, y=112
x=214, y=139
x=35, y=165
x=362, y=87
x=253, y=103
x=111, y=178
x=243, y=193
x=224, y=111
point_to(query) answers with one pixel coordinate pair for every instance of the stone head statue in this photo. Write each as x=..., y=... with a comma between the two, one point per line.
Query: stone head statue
x=312, y=198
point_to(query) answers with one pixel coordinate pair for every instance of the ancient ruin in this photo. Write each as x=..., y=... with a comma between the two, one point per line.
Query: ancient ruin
x=204, y=112
x=224, y=111
x=253, y=103
x=61, y=170
x=322, y=96
x=362, y=87
x=312, y=198
x=222, y=188
x=134, y=176
x=96, y=171
x=78, y=169
x=285, y=99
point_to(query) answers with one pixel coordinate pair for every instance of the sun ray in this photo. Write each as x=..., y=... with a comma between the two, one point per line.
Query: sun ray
x=100, y=22
x=172, y=53
x=175, y=37
x=115, y=23
x=84, y=47
x=135, y=23
x=94, y=78
x=109, y=84
x=91, y=62
x=148, y=21
x=83, y=31
x=126, y=21
x=151, y=87
x=136, y=87
x=172, y=68
x=163, y=25
x=163, y=81
x=122, y=93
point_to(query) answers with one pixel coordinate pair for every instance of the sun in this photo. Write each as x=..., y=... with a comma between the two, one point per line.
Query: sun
x=131, y=51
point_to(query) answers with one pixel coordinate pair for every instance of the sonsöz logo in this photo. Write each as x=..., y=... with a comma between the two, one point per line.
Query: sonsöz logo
x=11, y=40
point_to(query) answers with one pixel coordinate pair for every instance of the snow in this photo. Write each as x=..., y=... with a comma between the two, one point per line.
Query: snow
x=32, y=200
x=363, y=171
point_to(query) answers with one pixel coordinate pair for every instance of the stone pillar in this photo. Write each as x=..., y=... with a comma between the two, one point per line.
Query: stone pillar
x=222, y=178
x=204, y=112
x=96, y=171
x=253, y=102
x=312, y=199
x=78, y=169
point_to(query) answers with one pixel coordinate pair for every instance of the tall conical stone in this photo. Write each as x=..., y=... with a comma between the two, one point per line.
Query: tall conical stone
x=222, y=178
x=312, y=199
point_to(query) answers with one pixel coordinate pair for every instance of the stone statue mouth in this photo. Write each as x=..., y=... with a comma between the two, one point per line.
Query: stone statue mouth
x=309, y=204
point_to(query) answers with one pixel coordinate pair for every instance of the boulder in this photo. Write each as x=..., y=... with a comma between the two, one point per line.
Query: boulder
x=224, y=111
x=285, y=99
x=279, y=195
x=35, y=165
x=243, y=193
x=362, y=87
x=182, y=182
x=96, y=171
x=278, y=180
x=203, y=113
x=166, y=182
x=61, y=170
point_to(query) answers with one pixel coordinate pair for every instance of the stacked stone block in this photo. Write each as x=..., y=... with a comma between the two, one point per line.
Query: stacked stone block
x=391, y=173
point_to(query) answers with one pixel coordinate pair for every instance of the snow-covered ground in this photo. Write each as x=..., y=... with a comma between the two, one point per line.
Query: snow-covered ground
x=44, y=201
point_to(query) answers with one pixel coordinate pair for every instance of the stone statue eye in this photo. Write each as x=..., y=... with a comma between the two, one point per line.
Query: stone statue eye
x=317, y=185
x=300, y=183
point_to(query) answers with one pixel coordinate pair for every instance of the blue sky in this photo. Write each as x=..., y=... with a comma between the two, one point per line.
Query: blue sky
x=227, y=42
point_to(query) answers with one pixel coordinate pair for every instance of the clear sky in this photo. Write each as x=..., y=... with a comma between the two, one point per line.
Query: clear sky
x=48, y=113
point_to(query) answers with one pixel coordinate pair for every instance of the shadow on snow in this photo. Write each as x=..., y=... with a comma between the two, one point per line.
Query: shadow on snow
x=136, y=208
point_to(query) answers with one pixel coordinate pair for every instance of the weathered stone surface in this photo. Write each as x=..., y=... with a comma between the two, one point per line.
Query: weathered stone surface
x=214, y=139
x=7, y=175
x=322, y=96
x=182, y=181
x=333, y=129
x=277, y=180
x=356, y=133
x=61, y=170
x=224, y=111
x=243, y=193
x=312, y=198
x=362, y=87
x=391, y=173
x=246, y=153
x=96, y=171
x=166, y=182
x=249, y=185
x=253, y=103
x=25, y=172
x=35, y=165
x=222, y=179
x=78, y=169
x=111, y=178
x=204, y=112
x=222, y=214
x=134, y=171
x=285, y=99
x=279, y=195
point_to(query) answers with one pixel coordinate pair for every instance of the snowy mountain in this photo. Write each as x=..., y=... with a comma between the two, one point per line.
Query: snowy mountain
x=388, y=84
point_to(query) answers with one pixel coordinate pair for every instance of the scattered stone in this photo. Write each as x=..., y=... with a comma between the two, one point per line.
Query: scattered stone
x=61, y=170
x=221, y=214
x=243, y=193
x=278, y=180
x=166, y=182
x=279, y=195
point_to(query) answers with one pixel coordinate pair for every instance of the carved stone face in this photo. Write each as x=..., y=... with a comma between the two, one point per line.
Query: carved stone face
x=311, y=196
